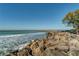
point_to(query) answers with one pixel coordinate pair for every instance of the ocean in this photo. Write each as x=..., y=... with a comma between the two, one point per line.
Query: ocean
x=11, y=40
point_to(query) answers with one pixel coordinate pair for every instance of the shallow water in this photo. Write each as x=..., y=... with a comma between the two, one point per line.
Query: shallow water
x=13, y=42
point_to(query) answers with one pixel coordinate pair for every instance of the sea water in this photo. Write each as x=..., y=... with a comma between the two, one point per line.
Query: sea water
x=13, y=40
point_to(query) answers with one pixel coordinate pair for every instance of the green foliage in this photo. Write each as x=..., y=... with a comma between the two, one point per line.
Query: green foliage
x=72, y=19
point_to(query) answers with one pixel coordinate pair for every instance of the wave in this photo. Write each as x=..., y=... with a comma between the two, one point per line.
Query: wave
x=12, y=42
x=21, y=34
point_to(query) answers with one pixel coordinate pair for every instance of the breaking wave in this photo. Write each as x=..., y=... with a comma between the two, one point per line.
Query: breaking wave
x=13, y=42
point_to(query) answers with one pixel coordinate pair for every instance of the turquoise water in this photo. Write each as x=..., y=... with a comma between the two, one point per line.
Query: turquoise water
x=10, y=32
x=13, y=40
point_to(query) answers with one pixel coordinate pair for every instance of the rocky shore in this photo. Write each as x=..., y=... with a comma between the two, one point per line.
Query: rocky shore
x=55, y=44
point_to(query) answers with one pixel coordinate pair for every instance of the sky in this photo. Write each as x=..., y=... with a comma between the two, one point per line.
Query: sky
x=25, y=16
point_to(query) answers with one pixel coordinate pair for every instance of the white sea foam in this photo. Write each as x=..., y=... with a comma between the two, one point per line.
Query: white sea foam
x=12, y=35
x=22, y=34
x=14, y=42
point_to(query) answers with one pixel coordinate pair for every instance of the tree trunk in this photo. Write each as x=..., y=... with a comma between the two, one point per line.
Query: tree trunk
x=77, y=31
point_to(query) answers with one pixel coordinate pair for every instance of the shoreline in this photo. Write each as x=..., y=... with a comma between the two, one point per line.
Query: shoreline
x=15, y=42
x=55, y=44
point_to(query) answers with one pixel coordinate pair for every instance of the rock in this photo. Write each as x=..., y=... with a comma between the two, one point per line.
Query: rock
x=50, y=35
x=38, y=51
x=56, y=44
x=74, y=44
x=34, y=45
x=23, y=52
x=13, y=53
x=52, y=52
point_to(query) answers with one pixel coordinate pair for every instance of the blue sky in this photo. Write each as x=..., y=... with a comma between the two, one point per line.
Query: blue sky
x=34, y=16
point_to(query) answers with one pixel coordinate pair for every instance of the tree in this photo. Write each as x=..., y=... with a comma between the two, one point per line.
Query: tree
x=72, y=19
